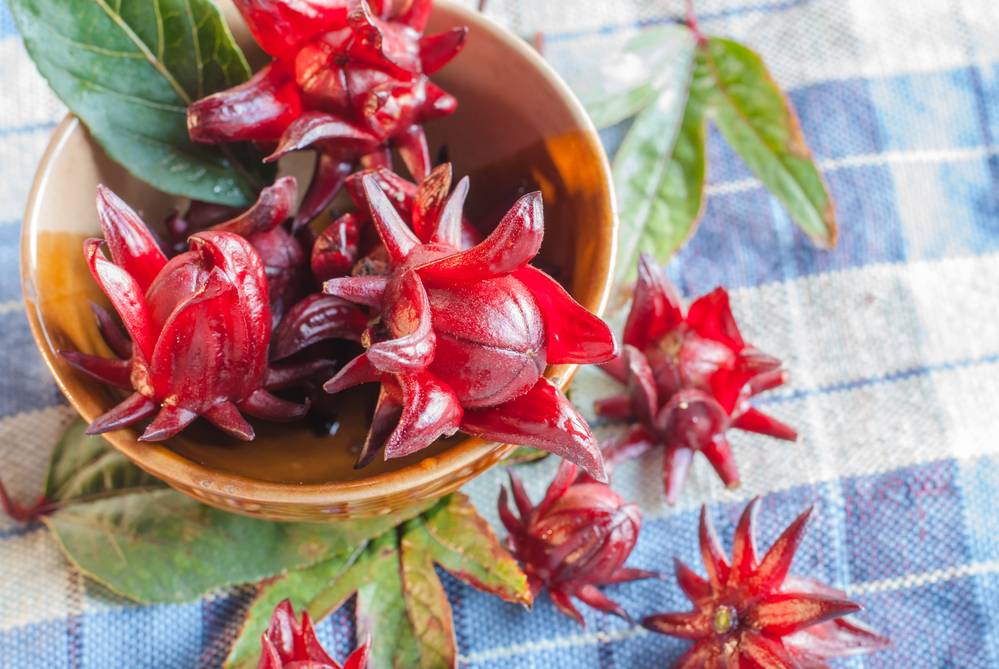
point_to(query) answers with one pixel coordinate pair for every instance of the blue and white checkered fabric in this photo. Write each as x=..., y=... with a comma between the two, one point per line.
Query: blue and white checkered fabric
x=893, y=341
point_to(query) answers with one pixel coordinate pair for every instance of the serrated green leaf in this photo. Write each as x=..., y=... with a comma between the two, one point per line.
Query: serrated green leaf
x=332, y=578
x=165, y=547
x=659, y=174
x=426, y=602
x=633, y=79
x=381, y=613
x=757, y=120
x=401, y=604
x=129, y=70
x=82, y=466
x=461, y=541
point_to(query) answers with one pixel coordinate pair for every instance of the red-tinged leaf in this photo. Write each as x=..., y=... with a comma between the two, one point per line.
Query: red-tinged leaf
x=130, y=242
x=463, y=543
x=676, y=465
x=117, y=341
x=426, y=602
x=416, y=14
x=395, y=234
x=400, y=192
x=573, y=334
x=757, y=120
x=835, y=638
x=401, y=606
x=514, y=242
x=261, y=404
x=431, y=196
x=655, y=308
x=314, y=319
x=354, y=373
x=722, y=459
x=542, y=418
x=126, y=297
x=699, y=656
x=695, y=587
x=129, y=411
x=412, y=146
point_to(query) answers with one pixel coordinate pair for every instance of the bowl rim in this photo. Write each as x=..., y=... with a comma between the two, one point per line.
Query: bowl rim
x=171, y=467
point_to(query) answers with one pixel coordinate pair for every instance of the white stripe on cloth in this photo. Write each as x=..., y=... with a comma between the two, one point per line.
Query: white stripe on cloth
x=31, y=100
x=887, y=159
x=19, y=156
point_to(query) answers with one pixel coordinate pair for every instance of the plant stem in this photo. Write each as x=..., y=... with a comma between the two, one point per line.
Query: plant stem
x=482, y=5
x=691, y=20
x=539, y=42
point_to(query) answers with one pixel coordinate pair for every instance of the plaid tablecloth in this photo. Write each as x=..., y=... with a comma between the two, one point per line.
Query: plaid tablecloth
x=893, y=340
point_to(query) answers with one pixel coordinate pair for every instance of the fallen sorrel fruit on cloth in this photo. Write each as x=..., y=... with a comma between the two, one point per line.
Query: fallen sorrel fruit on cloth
x=750, y=613
x=576, y=539
x=199, y=323
x=689, y=380
x=288, y=644
x=346, y=80
x=463, y=337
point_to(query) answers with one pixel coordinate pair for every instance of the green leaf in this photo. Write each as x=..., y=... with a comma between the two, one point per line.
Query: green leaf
x=165, y=547
x=381, y=612
x=335, y=580
x=426, y=602
x=756, y=118
x=82, y=466
x=659, y=173
x=461, y=541
x=401, y=603
x=129, y=70
x=633, y=79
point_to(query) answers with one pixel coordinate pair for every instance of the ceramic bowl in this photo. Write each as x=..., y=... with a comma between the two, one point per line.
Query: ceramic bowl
x=518, y=127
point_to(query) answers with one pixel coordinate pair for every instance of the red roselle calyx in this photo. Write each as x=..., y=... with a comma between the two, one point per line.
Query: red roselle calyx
x=346, y=80
x=289, y=645
x=689, y=380
x=463, y=337
x=199, y=326
x=750, y=613
x=576, y=539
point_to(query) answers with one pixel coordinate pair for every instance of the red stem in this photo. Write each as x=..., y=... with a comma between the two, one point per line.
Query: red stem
x=539, y=42
x=20, y=513
x=482, y=5
x=691, y=20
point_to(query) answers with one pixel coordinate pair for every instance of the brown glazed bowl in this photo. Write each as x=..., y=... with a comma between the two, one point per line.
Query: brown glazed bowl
x=517, y=127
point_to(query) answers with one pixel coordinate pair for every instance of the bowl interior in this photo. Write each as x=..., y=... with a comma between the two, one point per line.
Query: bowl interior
x=517, y=129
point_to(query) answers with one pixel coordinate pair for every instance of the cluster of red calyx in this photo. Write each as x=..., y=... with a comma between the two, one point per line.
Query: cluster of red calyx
x=750, y=613
x=576, y=539
x=689, y=378
x=289, y=645
x=346, y=79
x=198, y=324
x=460, y=338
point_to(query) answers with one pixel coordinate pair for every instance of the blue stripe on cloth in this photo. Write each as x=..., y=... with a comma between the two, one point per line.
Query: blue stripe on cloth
x=30, y=385
x=7, y=27
x=10, y=253
x=27, y=128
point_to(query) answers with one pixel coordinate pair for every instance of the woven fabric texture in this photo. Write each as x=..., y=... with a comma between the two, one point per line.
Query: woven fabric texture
x=892, y=340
